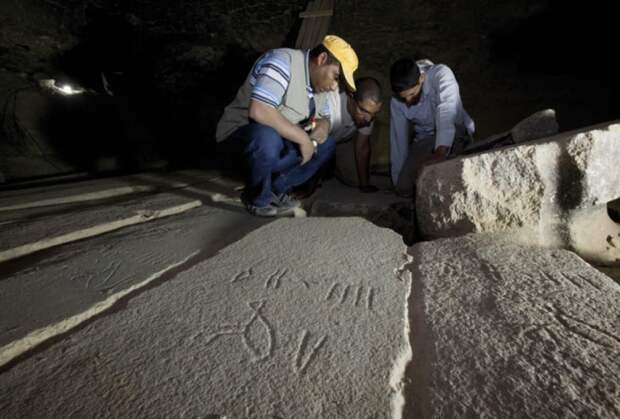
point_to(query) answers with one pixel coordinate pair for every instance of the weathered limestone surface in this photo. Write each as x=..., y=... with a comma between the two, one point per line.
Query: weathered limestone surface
x=542, y=189
x=301, y=318
x=30, y=229
x=508, y=331
x=69, y=285
x=98, y=189
x=29, y=235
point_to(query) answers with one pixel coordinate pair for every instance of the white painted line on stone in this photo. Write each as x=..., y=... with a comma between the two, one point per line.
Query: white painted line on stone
x=35, y=338
x=141, y=217
x=397, y=375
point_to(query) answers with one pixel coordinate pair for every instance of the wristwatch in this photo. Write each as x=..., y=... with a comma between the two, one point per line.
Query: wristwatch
x=316, y=146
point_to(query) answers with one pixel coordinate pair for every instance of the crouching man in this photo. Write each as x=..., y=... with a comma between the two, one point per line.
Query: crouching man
x=265, y=122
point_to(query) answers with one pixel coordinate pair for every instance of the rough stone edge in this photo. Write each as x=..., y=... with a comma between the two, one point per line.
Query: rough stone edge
x=397, y=378
x=18, y=347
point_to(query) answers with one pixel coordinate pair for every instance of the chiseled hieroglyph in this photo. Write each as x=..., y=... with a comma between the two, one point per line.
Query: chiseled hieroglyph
x=301, y=318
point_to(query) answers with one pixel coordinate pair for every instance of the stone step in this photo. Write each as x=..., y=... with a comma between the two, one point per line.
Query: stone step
x=301, y=318
x=99, y=189
x=510, y=331
x=29, y=230
x=67, y=286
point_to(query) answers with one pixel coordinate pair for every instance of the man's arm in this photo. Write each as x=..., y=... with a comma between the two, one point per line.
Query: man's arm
x=447, y=89
x=270, y=116
x=449, y=100
x=362, y=160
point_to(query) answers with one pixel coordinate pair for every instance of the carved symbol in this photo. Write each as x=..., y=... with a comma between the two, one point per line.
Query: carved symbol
x=243, y=275
x=273, y=281
x=341, y=294
x=258, y=321
x=300, y=363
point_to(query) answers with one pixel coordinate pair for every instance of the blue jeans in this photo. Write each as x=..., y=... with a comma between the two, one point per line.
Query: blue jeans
x=275, y=163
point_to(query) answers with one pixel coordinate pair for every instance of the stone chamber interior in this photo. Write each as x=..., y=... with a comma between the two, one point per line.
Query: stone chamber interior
x=157, y=74
x=133, y=282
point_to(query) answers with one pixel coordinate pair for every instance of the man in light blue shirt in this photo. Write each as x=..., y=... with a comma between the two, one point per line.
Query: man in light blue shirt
x=426, y=97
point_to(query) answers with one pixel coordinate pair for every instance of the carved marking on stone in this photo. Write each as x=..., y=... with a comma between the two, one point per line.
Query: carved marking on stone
x=588, y=331
x=584, y=330
x=571, y=280
x=273, y=281
x=370, y=298
x=345, y=293
x=549, y=277
x=242, y=276
x=257, y=320
x=300, y=363
x=589, y=281
x=102, y=284
x=342, y=293
x=331, y=291
x=358, y=295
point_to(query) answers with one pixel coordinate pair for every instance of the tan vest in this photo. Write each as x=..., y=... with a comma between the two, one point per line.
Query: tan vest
x=295, y=103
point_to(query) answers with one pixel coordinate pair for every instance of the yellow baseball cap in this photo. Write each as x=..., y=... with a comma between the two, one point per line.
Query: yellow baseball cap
x=343, y=52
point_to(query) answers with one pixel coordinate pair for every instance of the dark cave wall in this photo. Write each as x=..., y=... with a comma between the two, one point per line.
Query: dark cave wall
x=512, y=58
x=175, y=65
x=172, y=65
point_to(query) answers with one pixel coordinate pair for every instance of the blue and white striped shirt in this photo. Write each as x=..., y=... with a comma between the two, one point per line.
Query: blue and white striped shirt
x=270, y=78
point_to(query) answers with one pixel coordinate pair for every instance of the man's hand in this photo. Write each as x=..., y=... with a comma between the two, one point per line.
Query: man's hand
x=320, y=131
x=438, y=156
x=306, y=149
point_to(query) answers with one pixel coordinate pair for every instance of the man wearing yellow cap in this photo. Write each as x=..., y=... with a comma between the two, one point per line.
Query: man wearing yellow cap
x=266, y=120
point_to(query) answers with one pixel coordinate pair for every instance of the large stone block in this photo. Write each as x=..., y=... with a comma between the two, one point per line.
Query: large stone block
x=299, y=319
x=542, y=190
x=501, y=330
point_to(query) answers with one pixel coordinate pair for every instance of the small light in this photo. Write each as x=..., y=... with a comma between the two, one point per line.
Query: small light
x=66, y=89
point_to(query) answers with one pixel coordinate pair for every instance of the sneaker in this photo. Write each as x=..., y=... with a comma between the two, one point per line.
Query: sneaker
x=268, y=211
x=284, y=201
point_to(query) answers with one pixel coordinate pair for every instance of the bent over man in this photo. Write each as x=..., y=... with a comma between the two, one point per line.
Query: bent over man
x=426, y=96
x=352, y=116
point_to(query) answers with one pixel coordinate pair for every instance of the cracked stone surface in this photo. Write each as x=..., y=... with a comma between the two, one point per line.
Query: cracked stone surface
x=65, y=287
x=542, y=189
x=301, y=318
x=511, y=331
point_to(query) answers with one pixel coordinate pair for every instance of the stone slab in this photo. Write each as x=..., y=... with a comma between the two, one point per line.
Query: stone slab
x=65, y=287
x=301, y=318
x=510, y=331
x=28, y=230
x=28, y=236
x=541, y=187
x=99, y=189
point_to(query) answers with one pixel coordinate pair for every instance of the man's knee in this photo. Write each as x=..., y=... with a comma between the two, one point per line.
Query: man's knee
x=264, y=142
x=327, y=149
